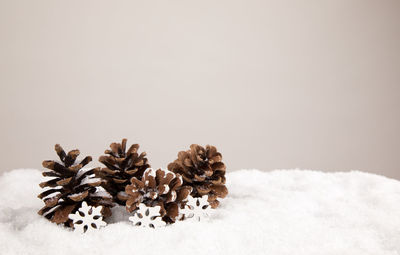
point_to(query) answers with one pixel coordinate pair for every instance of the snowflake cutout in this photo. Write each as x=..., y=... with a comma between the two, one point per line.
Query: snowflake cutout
x=147, y=217
x=196, y=209
x=87, y=218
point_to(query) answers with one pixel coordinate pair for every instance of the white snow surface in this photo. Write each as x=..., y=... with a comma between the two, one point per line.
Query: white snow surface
x=280, y=212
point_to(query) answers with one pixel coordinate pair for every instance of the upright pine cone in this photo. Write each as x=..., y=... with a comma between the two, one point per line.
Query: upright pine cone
x=203, y=169
x=121, y=166
x=161, y=187
x=72, y=185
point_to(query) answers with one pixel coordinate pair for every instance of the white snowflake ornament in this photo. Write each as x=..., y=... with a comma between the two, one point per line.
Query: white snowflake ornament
x=87, y=218
x=196, y=208
x=147, y=217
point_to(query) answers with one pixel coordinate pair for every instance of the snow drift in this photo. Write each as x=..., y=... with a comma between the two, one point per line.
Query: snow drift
x=279, y=212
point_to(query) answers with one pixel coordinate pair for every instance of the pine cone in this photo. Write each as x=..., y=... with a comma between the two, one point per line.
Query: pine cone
x=121, y=166
x=204, y=170
x=158, y=188
x=72, y=185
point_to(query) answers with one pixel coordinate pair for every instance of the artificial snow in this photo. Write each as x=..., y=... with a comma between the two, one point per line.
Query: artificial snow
x=281, y=212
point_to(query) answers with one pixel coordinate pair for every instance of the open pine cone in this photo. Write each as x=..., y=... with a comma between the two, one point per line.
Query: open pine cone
x=203, y=169
x=121, y=166
x=158, y=188
x=72, y=184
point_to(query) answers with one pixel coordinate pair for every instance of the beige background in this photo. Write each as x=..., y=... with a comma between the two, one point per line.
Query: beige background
x=273, y=84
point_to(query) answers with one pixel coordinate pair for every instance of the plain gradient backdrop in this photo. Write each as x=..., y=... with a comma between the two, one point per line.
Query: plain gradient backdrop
x=273, y=84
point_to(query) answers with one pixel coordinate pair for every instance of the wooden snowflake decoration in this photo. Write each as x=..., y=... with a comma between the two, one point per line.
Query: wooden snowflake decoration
x=196, y=209
x=87, y=218
x=147, y=217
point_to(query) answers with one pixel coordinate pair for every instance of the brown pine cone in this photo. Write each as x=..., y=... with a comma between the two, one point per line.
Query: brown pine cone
x=160, y=187
x=121, y=166
x=71, y=185
x=203, y=169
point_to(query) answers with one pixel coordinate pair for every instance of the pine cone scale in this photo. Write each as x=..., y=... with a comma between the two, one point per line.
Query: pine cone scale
x=115, y=149
x=187, y=179
x=63, y=182
x=48, y=192
x=183, y=193
x=219, y=190
x=131, y=172
x=86, y=174
x=214, y=203
x=61, y=215
x=122, y=196
x=51, y=174
x=75, y=168
x=133, y=149
x=211, y=151
x=56, y=167
x=109, y=162
x=123, y=145
x=172, y=210
x=175, y=183
x=79, y=197
x=52, y=201
x=60, y=152
x=50, y=183
x=219, y=166
x=69, y=160
x=86, y=161
x=203, y=189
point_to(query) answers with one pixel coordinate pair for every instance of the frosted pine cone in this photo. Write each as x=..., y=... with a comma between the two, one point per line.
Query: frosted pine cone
x=157, y=188
x=121, y=166
x=72, y=184
x=203, y=169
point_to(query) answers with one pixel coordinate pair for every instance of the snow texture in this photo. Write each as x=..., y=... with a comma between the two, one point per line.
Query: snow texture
x=279, y=212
